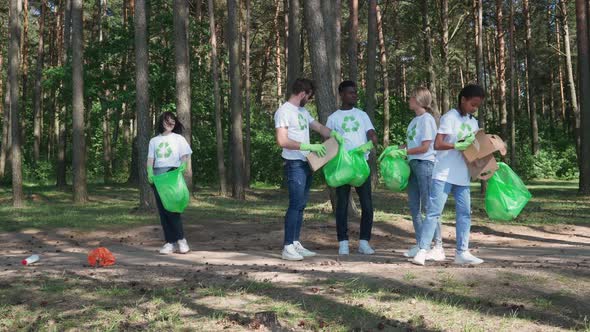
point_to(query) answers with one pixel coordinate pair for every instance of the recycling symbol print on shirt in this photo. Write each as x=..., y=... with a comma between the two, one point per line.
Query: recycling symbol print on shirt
x=302, y=122
x=412, y=133
x=464, y=131
x=164, y=150
x=350, y=124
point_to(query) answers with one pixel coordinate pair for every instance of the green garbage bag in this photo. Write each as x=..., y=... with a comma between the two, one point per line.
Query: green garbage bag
x=360, y=167
x=172, y=190
x=339, y=171
x=394, y=171
x=506, y=195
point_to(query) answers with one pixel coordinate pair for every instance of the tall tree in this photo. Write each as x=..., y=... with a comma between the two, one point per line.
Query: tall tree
x=277, y=36
x=353, y=40
x=501, y=78
x=531, y=81
x=13, y=68
x=217, y=96
x=582, y=8
x=570, y=72
x=66, y=14
x=5, y=107
x=385, y=75
x=233, y=42
x=428, y=58
x=294, y=44
x=444, y=54
x=511, y=118
x=183, y=77
x=146, y=197
x=78, y=137
x=247, y=93
x=37, y=117
x=371, y=59
x=479, y=66
x=24, y=68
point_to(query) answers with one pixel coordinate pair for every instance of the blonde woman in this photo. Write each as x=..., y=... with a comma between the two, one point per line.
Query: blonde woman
x=419, y=149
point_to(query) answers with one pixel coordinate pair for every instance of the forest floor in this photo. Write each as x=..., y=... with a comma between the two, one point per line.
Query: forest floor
x=536, y=275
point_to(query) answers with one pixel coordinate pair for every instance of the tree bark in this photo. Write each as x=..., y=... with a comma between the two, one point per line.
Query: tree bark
x=247, y=104
x=24, y=69
x=294, y=68
x=511, y=117
x=501, y=69
x=5, y=108
x=353, y=40
x=478, y=17
x=146, y=197
x=38, y=91
x=183, y=78
x=238, y=190
x=61, y=118
x=13, y=68
x=278, y=52
x=428, y=58
x=385, y=75
x=78, y=137
x=531, y=79
x=217, y=96
x=582, y=9
x=444, y=53
x=570, y=73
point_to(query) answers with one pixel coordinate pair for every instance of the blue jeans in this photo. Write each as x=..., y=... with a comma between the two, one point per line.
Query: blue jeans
x=439, y=192
x=299, y=178
x=342, y=195
x=419, y=196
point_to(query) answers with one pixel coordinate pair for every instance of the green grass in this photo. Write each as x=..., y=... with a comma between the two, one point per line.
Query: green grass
x=553, y=202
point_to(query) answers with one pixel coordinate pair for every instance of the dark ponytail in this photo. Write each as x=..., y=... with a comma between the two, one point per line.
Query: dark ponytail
x=167, y=116
x=470, y=91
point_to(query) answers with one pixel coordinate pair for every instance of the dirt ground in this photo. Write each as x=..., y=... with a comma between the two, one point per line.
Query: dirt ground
x=522, y=264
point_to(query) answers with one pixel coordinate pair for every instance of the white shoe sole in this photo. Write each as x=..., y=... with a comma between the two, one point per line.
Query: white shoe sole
x=416, y=262
x=291, y=258
x=468, y=263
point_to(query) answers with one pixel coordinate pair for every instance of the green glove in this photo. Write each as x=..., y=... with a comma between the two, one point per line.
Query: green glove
x=182, y=167
x=337, y=137
x=150, y=171
x=366, y=147
x=319, y=149
x=399, y=153
x=465, y=143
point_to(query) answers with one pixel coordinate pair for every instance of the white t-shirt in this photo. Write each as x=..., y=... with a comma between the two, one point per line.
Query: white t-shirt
x=353, y=125
x=166, y=150
x=450, y=166
x=296, y=120
x=421, y=128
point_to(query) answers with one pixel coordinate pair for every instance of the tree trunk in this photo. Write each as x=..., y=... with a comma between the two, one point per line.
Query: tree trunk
x=146, y=197
x=217, y=96
x=13, y=68
x=582, y=9
x=501, y=69
x=183, y=78
x=294, y=68
x=5, y=110
x=353, y=40
x=233, y=42
x=531, y=79
x=247, y=102
x=24, y=70
x=570, y=73
x=560, y=73
x=61, y=125
x=278, y=52
x=78, y=137
x=371, y=81
x=478, y=17
x=38, y=92
x=511, y=118
x=385, y=75
x=428, y=58
x=444, y=53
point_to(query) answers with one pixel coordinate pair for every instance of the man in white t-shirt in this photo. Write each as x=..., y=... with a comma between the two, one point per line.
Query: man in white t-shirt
x=357, y=130
x=292, y=123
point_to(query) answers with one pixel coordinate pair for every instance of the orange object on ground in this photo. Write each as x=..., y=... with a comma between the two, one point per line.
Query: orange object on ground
x=101, y=257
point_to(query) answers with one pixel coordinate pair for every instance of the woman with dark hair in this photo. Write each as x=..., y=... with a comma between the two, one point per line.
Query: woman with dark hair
x=451, y=176
x=168, y=151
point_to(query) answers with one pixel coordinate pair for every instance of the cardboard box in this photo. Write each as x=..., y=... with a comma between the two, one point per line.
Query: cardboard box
x=480, y=155
x=316, y=162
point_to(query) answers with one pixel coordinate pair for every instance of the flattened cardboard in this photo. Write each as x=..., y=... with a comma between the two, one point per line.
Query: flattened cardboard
x=484, y=168
x=316, y=162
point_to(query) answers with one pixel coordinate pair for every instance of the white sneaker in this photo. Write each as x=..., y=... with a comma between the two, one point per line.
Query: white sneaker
x=302, y=251
x=420, y=257
x=343, y=249
x=412, y=251
x=167, y=249
x=365, y=248
x=290, y=254
x=183, y=246
x=436, y=254
x=467, y=258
